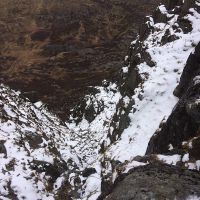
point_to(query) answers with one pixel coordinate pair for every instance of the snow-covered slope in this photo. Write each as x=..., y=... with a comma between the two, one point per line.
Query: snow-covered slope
x=157, y=90
x=35, y=153
x=152, y=101
x=41, y=158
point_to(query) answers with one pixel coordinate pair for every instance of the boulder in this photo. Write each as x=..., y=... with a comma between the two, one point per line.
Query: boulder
x=156, y=181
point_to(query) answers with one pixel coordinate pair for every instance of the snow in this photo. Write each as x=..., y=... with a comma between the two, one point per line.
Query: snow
x=87, y=145
x=162, y=9
x=157, y=91
x=38, y=104
x=185, y=158
x=15, y=163
x=132, y=165
x=193, y=197
x=81, y=144
x=171, y=160
x=125, y=70
x=171, y=147
x=156, y=104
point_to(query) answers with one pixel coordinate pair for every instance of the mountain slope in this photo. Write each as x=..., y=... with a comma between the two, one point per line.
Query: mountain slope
x=35, y=153
x=107, y=136
x=124, y=116
x=53, y=50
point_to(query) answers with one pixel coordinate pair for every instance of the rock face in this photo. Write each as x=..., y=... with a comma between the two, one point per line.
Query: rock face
x=53, y=50
x=191, y=70
x=183, y=124
x=156, y=182
x=177, y=139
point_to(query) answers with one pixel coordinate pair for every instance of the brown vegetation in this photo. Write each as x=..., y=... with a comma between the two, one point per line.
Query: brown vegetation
x=53, y=50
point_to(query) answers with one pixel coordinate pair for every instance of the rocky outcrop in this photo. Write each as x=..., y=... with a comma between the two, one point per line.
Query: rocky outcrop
x=82, y=158
x=183, y=124
x=191, y=70
x=138, y=53
x=179, y=135
x=156, y=182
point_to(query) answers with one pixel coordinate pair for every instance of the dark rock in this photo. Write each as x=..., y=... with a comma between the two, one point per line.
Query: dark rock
x=193, y=109
x=145, y=29
x=54, y=49
x=34, y=140
x=194, y=151
x=159, y=17
x=53, y=170
x=172, y=3
x=89, y=111
x=191, y=69
x=179, y=127
x=133, y=79
x=40, y=35
x=11, y=193
x=184, y=24
x=156, y=181
x=88, y=171
x=93, y=110
x=64, y=192
x=138, y=158
x=120, y=120
x=3, y=148
x=168, y=37
x=187, y=5
x=147, y=58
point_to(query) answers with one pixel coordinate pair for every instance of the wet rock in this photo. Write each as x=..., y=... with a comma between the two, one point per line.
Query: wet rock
x=156, y=181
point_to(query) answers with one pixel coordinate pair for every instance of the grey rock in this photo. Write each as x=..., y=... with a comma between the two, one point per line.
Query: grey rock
x=156, y=182
x=88, y=171
x=3, y=148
